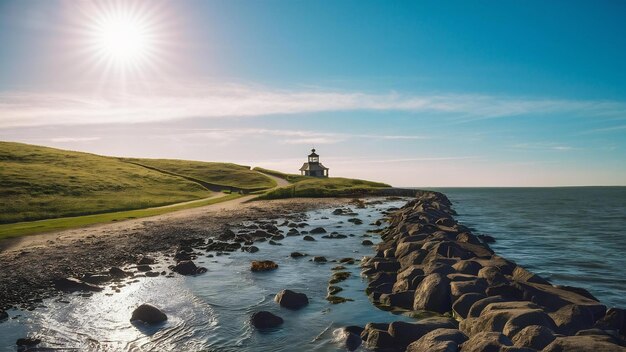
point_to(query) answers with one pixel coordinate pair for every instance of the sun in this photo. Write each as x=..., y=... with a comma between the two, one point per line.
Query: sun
x=123, y=37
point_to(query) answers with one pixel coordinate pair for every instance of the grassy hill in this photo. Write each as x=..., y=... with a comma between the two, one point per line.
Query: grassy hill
x=305, y=186
x=212, y=175
x=44, y=183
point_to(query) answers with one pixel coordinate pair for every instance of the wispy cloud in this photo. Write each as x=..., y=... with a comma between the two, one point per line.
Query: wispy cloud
x=605, y=129
x=284, y=136
x=544, y=146
x=73, y=139
x=168, y=102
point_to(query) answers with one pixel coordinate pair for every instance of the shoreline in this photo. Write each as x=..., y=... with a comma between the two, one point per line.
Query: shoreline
x=427, y=264
x=32, y=263
x=428, y=261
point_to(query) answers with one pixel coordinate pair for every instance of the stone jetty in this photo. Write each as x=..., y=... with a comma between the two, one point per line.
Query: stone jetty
x=476, y=300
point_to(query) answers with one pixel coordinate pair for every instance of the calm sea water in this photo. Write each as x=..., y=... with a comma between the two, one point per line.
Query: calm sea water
x=572, y=236
x=569, y=235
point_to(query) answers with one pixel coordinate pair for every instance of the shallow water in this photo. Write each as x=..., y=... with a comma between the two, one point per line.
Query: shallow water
x=210, y=312
x=570, y=235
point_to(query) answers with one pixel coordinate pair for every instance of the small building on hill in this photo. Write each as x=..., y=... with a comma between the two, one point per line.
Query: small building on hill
x=313, y=167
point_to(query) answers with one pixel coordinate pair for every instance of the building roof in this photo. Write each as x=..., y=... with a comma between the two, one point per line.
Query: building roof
x=313, y=167
x=313, y=153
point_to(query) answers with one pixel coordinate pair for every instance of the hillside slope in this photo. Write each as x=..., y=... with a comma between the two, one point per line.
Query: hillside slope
x=44, y=183
x=214, y=175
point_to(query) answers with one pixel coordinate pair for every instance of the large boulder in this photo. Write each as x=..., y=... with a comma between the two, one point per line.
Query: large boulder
x=554, y=298
x=399, y=299
x=572, y=318
x=459, y=288
x=187, y=267
x=318, y=230
x=523, y=275
x=614, y=319
x=438, y=340
x=470, y=267
x=405, y=333
x=462, y=305
x=533, y=336
x=586, y=343
x=486, y=342
x=291, y=300
x=508, y=318
x=148, y=314
x=433, y=294
x=477, y=308
x=265, y=320
x=379, y=340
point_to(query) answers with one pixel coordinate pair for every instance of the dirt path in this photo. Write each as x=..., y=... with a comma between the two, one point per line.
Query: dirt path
x=44, y=239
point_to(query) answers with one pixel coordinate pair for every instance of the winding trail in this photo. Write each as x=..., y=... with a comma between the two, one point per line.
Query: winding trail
x=68, y=235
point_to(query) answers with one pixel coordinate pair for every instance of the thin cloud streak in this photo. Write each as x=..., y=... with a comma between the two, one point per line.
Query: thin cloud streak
x=292, y=136
x=210, y=101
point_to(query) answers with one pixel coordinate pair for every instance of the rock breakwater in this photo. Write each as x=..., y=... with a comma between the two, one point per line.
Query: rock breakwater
x=430, y=264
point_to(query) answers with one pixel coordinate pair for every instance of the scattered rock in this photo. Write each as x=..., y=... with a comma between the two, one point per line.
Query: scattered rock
x=356, y=221
x=336, y=299
x=291, y=300
x=333, y=290
x=297, y=255
x=339, y=277
x=318, y=230
x=265, y=320
x=118, y=273
x=146, y=260
x=187, y=267
x=28, y=342
x=308, y=238
x=263, y=265
x=352, y=341
x=367, y=243
x=148, y=314
x=252, y=249
x=143, y=267
x=72, y=285
x=319, y=259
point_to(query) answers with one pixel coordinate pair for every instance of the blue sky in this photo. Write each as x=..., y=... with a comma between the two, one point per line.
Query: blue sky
x=455, y=93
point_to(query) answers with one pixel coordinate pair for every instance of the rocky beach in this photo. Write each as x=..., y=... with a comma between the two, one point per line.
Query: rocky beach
x=427, y=261
x=429, y=283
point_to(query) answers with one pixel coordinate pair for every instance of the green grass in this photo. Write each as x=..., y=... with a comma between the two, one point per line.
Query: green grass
x=222, y=175
x=45, y=183
x=31, y=227
x=313, y=187
x=291, y=178
x=42, y=183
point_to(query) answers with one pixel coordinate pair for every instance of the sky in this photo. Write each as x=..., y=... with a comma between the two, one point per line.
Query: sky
x=412, y=93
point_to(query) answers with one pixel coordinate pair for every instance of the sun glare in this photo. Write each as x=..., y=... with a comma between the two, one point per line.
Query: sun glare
x=123, y=37
x=124, y=40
